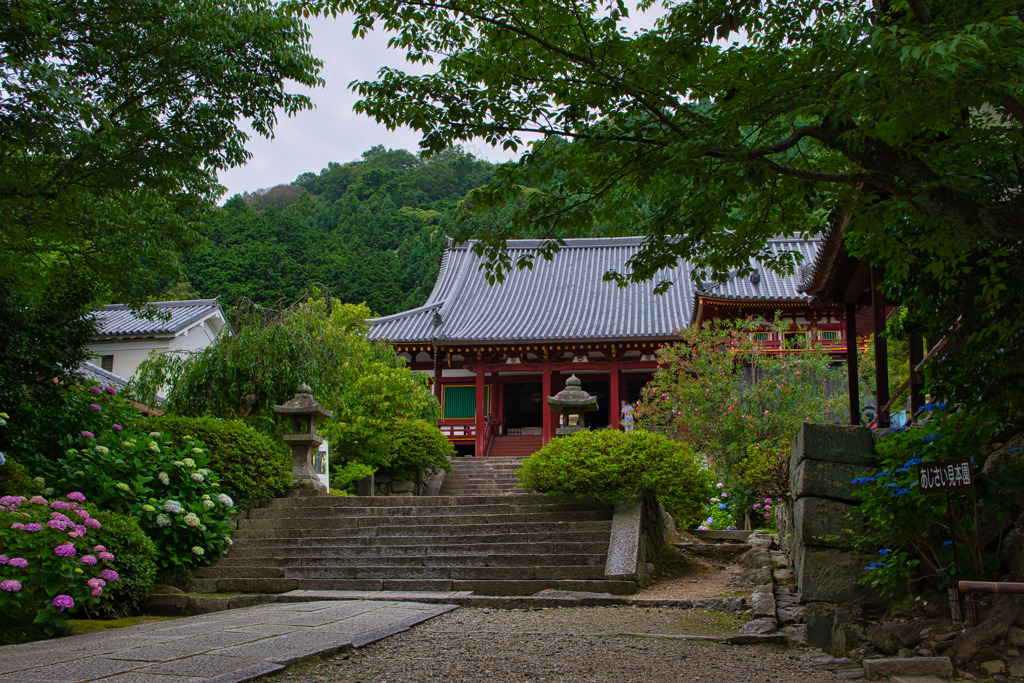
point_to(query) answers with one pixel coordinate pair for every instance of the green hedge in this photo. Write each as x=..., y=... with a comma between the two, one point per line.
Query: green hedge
x=609, y=464
x=135, y=561
x=251, y=466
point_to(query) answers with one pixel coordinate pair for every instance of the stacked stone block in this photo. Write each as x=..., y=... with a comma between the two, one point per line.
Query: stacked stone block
x=820, y=520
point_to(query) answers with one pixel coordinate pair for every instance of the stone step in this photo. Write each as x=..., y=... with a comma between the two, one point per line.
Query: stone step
x=510, y=543
x=440, y=531
x=592, y=572
x=440, y=560
x=397, y=501
x=480, y=587
x=507, y=506
x=347, y=522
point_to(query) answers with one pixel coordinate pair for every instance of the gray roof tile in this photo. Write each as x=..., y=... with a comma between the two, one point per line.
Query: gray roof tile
x=119, y=320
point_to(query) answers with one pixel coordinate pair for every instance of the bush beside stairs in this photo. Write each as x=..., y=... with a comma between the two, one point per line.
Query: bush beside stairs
x=474, y=536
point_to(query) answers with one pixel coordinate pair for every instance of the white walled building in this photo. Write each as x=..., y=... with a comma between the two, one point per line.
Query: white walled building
x=125, y=338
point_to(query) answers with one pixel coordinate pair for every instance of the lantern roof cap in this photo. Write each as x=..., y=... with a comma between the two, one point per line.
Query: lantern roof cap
x=303, y=403
x=573, y=396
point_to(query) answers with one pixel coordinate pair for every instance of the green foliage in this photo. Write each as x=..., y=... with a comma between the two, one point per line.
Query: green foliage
x=14, y=479
x=319, y=342
x=610, y=464
x=251, y=466
x=135, y=557
x=115, y=121
x=418, y=446
x=51, y=564
x=135, y=473
x=721, y=125
x=910, y=530
x=737, y=404
x=370, y=231
x=347, y=474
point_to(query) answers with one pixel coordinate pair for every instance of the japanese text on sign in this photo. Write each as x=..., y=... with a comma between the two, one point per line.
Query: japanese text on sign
x=945, y=475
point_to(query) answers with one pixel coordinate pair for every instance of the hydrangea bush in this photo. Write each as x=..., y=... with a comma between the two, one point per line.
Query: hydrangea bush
x=167, y=486
x=49, y=564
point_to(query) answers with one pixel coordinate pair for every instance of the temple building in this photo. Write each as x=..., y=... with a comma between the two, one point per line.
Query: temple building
x=496, y=352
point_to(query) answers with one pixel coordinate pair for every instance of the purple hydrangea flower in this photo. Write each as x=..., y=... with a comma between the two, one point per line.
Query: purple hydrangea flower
x=76, y=496
x=96, y=592
x=89, y=435
x=96, y=390
x=18, y=525
x=10, y=585
x=11, y=502
x=99, y=549
x=96, y=583
x=93, y=523
x=82, y=512
x=18, y=562
x=111, y=390
x=116, y=427
x=65, y=550
x=64, y=602
x=4, y=559
x=104, y=555
x=38, y=500
x=33, y=526
x=62, y=505
x=78, y=531
x=110, y=575
x=88, y=559
x=93, y=406
x=58, y=524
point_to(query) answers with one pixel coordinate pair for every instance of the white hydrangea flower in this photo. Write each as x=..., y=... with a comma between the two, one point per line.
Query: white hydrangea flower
x=189, y=462
x=197, y=477
x=203, y=471
x=154, y=435
x=172, y=506
x=153, y=446
x=121, y=486
x=163, y=520
x=191, y=519
x=102, y=450
x=197, y=451
x=164, y=479
x=209, y=504
x=197, y=550
x=227, y=539
x=148, y=508
x=225, y=499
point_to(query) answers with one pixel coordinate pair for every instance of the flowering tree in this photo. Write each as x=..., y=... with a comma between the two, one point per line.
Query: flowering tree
x=738, y=404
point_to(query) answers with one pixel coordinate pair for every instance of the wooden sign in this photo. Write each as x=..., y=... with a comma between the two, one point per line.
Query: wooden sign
x=945, y=475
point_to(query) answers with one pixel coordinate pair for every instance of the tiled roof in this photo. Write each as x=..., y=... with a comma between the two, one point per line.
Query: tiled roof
x=104, y=378
x=563, y=299
x=118, y=320
x=765, y=284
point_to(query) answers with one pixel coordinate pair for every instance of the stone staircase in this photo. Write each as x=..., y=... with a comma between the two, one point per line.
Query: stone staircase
x=515, y=446
x=488, y=544
x=482, y=477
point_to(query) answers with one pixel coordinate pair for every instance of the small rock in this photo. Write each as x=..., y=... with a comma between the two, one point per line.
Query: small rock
x=993, y=666
x=831, y=662
x=913, y=666
x=759, y=626
x=1015, y=636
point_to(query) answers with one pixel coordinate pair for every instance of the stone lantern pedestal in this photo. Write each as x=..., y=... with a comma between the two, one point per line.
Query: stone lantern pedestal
x=573, y=403
x=303, y=411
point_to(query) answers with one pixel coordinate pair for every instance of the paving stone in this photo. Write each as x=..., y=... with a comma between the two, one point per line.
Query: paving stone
x=185, y=646
x=915, y=679
x=136, y=677
x=290, y=647
x=83, y=669
x=759, y=626
x=993, y=666
x=204, y=665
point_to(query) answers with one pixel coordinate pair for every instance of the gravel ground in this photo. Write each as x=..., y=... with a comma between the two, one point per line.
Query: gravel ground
x=613, y=644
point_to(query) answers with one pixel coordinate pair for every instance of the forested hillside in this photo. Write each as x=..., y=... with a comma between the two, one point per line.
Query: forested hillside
x=370, y=230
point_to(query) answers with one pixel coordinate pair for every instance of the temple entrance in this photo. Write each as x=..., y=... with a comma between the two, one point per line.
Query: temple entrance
x=523, y=405
x=599, y=419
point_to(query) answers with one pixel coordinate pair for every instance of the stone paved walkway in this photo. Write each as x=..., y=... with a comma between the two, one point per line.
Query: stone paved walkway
x=223, y=647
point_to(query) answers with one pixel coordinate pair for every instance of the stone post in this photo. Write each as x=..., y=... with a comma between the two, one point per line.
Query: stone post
x=303, y=411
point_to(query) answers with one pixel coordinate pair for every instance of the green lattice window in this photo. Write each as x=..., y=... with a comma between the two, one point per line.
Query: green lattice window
x=460, y=401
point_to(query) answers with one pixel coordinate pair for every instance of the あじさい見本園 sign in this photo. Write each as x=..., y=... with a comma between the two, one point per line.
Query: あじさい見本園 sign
x=945, y=475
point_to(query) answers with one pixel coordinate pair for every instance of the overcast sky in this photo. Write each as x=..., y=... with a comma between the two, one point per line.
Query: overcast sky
x=331, y=131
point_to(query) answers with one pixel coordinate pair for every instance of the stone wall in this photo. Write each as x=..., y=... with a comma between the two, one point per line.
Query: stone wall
x=817, y=523
x=423, y=485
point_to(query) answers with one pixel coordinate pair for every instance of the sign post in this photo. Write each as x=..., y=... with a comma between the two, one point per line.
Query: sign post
x=943, y=476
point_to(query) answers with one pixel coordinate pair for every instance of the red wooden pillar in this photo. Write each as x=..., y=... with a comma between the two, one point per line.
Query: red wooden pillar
x=613, y=394
x=437, y=379
x=480, y=407
x=916, y=377
x=548, y=428
x=853, y=374
x=881, y=349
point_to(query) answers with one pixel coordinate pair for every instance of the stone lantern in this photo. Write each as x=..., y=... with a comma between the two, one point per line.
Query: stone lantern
x=572, y=402
x=303, y=411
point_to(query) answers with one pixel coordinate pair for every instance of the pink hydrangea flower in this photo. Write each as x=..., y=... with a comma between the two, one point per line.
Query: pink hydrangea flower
x=76, y=496
x=86, y=433
x=93, y=406
x=116, y=427
x=65, y=550
x=96, y=390
x=82, y=512
x=93, y=523
x=18, y=525
x=78, y=531
x=58, y=524
x=96, y=592
x=99, y=549
x=110, y=575
x=768, y=500
x=767, y=515
x=104, y=555
x=10, y=585
x=3, y=559
x=18, y=562
x=62, y=505
x=111, y=390
x=64, y=602
x=38, y=500
x=33, y=526
x=96, y=583
x=757, y=506
x=719, y=485
x=88, y=559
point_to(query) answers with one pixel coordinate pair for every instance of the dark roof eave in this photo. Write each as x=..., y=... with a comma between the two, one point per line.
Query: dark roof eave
x=441, y=343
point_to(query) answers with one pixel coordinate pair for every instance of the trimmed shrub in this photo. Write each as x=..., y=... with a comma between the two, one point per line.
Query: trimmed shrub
x=418, y=446
x=135, y=563
x=14, y=479
x=251, y=466
x=609, y=464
